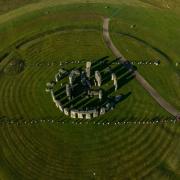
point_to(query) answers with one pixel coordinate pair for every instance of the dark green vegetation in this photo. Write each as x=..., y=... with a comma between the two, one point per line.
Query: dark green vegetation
x=49, y=35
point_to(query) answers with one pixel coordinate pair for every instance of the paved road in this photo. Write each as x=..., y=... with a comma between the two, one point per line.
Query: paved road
x=160, y=100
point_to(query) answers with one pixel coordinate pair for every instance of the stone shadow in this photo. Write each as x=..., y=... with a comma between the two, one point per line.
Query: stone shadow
x=80, y=97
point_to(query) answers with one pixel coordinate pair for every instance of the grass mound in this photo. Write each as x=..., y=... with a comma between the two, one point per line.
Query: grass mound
x=15, y=65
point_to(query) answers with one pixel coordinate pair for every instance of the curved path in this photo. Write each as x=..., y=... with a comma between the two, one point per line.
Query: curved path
x=162, y=102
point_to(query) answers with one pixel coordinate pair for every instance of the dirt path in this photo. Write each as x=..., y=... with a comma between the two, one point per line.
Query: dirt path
x=160, y=100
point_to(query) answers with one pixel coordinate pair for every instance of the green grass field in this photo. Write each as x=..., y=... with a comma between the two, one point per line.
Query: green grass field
x=47, y=32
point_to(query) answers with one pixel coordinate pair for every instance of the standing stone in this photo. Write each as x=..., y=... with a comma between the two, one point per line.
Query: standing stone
x=68, y=91
x=66, y=111
x=114, y=78
x=88, y=69
x=100, y=94
x=88, y=115
x=98, y=78
x=80, y=115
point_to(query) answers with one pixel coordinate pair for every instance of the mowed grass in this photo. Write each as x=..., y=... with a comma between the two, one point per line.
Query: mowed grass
x=174, y=4
x=24, y=95
x=6, y=6
x=167, y=85
x=87, y=151
x=77, y=152
x=152, y=41
x=27, y=97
